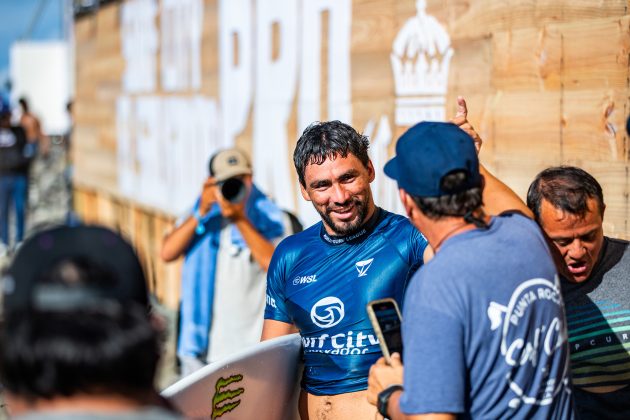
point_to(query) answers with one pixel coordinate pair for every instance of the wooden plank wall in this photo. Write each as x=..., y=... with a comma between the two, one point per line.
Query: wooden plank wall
x=547, y=83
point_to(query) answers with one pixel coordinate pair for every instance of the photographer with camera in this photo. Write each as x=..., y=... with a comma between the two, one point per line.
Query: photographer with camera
x=227, y=240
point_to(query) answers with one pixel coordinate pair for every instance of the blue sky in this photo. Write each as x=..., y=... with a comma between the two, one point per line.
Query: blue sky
x=15, y=18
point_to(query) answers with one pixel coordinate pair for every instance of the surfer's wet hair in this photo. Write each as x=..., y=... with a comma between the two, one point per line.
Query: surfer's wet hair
x=327, y=140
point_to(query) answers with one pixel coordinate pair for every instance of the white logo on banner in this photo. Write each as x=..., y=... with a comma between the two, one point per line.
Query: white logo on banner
x=139, y=45
x=181, y=24
x=420, y=61
x=531, y=348
x=328, y=312
x=164, y=142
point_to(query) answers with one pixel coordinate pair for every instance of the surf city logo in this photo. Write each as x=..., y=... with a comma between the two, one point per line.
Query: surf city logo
x=363, y=266
x=351, y=342
x=224, y=400
x=529, y=350
x=327, y=312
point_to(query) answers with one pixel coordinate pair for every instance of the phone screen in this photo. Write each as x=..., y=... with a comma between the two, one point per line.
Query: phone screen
x=389, y=322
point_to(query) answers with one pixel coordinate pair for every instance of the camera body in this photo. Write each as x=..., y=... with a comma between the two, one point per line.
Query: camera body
x=233, y=190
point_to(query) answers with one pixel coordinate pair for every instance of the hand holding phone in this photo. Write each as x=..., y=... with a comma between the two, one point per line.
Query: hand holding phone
x=386, y=321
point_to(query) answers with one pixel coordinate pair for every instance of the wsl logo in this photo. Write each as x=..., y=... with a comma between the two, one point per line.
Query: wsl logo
x=304, y=279
x=328, y=312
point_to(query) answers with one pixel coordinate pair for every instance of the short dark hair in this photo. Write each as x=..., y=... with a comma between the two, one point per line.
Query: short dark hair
x=457, y=204
x=326, y=140
x=111, y=348
x=24, y=103
x=567, y=188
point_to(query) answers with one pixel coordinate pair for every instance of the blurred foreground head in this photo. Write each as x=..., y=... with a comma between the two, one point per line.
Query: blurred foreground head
x=76, y=318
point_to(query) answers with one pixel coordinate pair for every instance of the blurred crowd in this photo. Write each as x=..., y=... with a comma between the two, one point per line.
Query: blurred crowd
x=35, y=181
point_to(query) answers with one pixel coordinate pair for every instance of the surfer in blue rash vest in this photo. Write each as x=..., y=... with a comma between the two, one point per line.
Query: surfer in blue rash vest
x=319, y=281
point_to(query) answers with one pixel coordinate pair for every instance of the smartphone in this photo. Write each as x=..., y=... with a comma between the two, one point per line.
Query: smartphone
x=386, y=321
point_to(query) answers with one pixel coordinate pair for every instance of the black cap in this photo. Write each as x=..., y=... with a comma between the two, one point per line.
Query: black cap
x=24, y=290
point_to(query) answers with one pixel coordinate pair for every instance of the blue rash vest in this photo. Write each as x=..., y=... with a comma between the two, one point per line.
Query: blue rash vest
x=322, y=284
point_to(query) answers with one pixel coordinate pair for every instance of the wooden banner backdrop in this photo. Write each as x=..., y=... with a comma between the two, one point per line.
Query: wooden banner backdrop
x=162, y=84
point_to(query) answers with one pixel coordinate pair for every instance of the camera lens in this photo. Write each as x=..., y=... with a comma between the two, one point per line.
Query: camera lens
x=233, y=190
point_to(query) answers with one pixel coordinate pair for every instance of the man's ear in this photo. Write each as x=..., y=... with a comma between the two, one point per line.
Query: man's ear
x=304, y=193
x=406, y=201
x=371, y=173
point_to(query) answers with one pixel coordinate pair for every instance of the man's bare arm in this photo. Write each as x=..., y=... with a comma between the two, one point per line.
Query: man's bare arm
x=497, y=196
x=273, y=329
x=176, y=242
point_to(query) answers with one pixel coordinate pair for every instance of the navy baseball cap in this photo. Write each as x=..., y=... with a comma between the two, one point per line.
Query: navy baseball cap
x=427, y=152
x=24, y=286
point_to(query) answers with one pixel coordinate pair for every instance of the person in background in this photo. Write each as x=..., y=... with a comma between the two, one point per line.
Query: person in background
x=227, y=240
x=78, y=340
x=38, y=142
x=14, y=168
x=484, y=332
x=568, y=203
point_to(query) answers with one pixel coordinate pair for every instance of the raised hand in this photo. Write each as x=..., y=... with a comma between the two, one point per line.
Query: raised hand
x=208, y=195
x=461, y=120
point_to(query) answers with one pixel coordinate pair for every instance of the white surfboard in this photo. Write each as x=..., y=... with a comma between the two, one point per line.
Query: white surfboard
x=260, y=383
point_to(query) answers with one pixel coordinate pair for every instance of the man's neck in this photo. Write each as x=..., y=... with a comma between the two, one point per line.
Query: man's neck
x=439, y=231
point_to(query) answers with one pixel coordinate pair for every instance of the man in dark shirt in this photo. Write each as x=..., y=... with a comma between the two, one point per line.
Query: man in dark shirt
x=568, y=204
x=13, y=177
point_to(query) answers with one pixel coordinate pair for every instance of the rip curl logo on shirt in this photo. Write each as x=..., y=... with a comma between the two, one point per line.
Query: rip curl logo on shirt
x=327, y=312
x=532, y=331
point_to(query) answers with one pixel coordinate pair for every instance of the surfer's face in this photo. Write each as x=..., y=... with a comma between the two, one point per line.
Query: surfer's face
x=340, y=191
